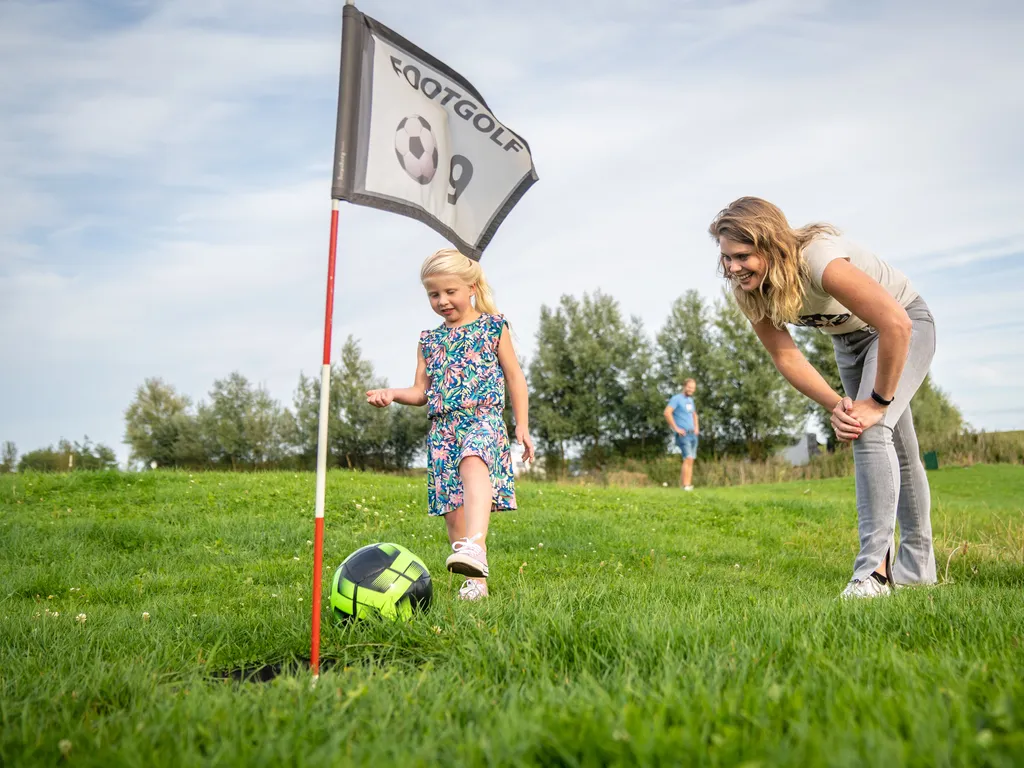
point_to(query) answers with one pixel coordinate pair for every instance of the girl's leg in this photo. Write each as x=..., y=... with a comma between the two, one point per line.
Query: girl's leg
x=915, y=560
x=468, y=533
x=877, y=463
x=478, y=494
x=456, y=522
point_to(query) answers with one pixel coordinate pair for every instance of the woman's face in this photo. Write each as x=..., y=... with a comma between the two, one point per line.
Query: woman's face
x=742, y=263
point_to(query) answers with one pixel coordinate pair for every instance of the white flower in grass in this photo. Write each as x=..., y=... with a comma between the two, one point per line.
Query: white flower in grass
x=540, y=545
x=295, y=558
x=145, y=615
x=64, y=746
x=737, y=565
x=80, y=618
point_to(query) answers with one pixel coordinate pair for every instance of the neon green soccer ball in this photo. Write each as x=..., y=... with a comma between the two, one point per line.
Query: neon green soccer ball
x=382, y=579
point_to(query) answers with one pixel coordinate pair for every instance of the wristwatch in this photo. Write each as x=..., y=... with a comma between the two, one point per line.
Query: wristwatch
x=880, y=400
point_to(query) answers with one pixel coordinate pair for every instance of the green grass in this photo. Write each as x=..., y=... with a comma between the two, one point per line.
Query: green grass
x=651, y=628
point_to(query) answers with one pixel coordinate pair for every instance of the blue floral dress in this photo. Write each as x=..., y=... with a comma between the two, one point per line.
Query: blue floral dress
x=465, y=400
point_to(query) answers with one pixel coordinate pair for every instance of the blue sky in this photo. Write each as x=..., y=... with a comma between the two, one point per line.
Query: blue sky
x=165, y=172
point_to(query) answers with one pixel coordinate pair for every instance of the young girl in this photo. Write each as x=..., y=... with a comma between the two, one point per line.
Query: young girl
x=461, y=371
x=884, y=339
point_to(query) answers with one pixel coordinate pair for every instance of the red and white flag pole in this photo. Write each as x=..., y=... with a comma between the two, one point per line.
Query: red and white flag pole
x=321, y=447
x=346, y=129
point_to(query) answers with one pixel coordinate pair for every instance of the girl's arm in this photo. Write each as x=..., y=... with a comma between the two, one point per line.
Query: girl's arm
x=414, y=395
x=804, y=377
x=869, y=301
x=517, y=391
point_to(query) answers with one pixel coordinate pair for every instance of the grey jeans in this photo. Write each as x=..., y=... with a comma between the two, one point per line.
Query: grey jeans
x=891, y=482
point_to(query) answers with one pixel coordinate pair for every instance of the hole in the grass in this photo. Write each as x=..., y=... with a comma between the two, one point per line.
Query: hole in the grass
x=264, y=673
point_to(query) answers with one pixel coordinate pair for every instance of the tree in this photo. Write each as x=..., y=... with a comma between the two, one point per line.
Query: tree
x=359, y=436
x=243, y=426
x=68, y=457
x=407, y=435
x=687, y=350
x=817, y=348
x=8, y=457
x=362, y=434
x=156, y=423
x=936, y=418
x=42, y=460
x=92, y=457
x=641, y=430
x=579, y=378
x=760, y=411
x=301, y=433
x=550, y=375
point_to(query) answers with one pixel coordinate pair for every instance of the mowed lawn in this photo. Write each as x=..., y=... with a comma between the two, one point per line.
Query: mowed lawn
x=625, y=627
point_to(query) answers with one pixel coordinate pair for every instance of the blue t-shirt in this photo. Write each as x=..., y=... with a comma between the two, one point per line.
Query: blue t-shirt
x=682, y=411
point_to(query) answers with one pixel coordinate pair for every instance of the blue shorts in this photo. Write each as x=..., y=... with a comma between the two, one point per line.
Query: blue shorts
x=687, y=445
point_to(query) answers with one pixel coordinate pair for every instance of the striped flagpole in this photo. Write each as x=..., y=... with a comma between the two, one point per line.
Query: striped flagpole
x=321, y=447
x=348, y=113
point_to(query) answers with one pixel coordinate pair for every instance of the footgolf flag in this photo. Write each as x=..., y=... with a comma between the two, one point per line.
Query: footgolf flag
x=416, y=138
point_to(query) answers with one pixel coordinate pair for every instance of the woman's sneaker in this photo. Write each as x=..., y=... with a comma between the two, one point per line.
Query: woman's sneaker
x=869, y=587
x=473, y=589
x=468, y=558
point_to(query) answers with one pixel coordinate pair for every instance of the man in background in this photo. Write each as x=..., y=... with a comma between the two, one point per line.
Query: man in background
x=681, y=415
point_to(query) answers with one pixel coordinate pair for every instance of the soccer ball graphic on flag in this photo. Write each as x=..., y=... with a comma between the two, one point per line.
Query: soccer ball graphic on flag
x=416, y=148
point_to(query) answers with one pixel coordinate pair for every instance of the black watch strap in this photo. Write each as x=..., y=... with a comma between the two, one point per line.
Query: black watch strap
x=879, y=399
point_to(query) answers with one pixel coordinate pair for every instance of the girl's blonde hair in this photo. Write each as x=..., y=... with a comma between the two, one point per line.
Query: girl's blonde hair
x=756, y=222
x=449, y=261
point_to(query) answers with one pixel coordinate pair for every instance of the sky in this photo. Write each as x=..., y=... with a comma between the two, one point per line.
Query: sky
x=165, y=177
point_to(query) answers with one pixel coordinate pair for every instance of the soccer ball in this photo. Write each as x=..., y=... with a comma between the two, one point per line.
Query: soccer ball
x=416, y=148
x=380, y=579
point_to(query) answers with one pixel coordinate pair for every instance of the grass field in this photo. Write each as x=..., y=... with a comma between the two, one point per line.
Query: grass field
x=625, y=627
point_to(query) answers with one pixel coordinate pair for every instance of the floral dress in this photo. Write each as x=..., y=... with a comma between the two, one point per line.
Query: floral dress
x=465, y=400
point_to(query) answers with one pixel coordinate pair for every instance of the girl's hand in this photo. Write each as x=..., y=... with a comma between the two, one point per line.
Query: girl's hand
x=523, y=438
x=845, y=424
x=867, y=412
x=380, y=397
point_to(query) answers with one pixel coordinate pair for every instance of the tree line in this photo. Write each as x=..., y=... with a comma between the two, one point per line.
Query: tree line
x=598, y=384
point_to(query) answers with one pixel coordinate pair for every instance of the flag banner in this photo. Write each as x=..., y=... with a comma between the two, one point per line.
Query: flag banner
x=416, y=138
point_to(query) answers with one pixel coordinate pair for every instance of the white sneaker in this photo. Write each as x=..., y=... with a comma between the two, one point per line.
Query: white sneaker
x=869, y=587
x=687, y=487
x=468, y=558
x=473, y=589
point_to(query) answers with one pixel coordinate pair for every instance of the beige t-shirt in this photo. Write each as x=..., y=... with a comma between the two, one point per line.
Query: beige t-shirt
x=823, y=312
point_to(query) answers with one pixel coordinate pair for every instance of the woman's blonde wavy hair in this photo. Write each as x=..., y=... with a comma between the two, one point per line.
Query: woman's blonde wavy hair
x=449, y=261
x=756, y=222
